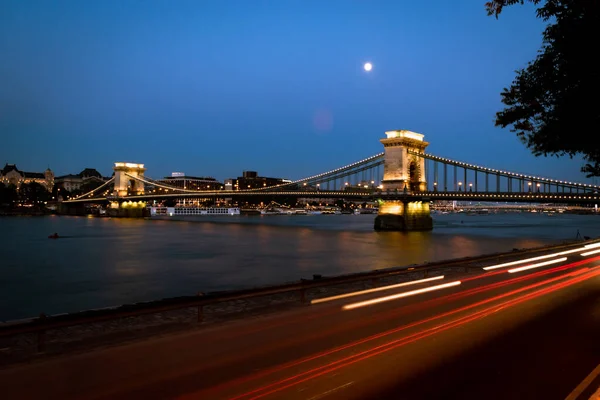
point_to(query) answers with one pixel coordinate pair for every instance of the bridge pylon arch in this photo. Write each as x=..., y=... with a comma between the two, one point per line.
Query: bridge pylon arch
x=402, y=169
x=125, y=174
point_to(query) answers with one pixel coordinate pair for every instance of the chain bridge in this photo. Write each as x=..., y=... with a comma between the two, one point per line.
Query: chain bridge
x=404, y=177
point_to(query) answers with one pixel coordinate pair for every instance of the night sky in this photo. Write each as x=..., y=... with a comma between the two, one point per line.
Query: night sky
x=211, y=88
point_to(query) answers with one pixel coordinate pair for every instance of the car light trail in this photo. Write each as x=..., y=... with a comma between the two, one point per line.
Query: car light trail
x=343, y=296
x=578, y=272
x=590, y=252
x=412, y=308
x=532, y=266
x=399, y=295
x=591, y=246
x=508, y=264
x=207, y=392
x=431, y=302
x=383, y=348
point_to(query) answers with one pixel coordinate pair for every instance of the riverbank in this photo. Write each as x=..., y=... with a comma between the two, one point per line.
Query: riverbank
x=52, y=335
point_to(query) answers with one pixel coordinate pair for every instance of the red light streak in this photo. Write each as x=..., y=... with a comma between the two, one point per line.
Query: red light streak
x=425, y=304
x=449, y=297
x=333, y=366
x=428, y=302
x=578, y=272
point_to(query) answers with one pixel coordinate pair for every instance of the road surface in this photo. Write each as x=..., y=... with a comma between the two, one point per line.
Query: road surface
x=522, y=331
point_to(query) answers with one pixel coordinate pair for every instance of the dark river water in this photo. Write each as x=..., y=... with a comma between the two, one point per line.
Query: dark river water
x=101, y=262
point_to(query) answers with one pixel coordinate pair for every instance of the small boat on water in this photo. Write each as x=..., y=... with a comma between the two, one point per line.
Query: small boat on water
x=53, y=236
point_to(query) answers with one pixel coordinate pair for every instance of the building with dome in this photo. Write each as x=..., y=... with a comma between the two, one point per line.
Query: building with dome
x=11, y=175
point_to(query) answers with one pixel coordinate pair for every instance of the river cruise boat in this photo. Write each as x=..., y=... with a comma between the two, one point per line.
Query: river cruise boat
x=180, y=211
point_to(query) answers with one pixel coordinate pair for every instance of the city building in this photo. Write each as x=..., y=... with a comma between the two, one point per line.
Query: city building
x=73, y=182
x=11, y=175
x=251, y=180
x=182, y=181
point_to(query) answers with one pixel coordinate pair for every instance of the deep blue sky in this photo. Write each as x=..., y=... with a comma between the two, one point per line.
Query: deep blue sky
x=216, y=87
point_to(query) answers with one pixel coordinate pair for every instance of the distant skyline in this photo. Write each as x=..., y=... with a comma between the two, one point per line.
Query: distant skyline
x=278, y=87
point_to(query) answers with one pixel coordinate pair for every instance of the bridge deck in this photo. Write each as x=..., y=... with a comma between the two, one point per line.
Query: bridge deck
x=579, y=198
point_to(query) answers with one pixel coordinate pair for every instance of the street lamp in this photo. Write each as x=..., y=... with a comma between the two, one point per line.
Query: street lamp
x=459, y=186
x=470, y=187
x=529, y=185
x=435, y=186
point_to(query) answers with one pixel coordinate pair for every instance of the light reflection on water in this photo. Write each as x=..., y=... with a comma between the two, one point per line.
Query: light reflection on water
x=104, y=262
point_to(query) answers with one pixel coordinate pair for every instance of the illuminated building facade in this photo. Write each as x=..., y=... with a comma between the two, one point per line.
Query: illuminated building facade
x=11, y=175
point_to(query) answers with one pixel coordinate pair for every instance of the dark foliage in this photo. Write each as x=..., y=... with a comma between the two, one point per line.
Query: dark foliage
x=552, y=105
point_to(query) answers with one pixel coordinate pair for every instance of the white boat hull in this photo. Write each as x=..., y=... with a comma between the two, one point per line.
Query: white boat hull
x=191, y=211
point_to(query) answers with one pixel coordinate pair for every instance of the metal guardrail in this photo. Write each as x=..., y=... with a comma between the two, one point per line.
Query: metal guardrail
x=45, y=323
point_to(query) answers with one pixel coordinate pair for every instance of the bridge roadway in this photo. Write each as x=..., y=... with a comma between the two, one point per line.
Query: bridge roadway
x=524, y=335
x=557, y=198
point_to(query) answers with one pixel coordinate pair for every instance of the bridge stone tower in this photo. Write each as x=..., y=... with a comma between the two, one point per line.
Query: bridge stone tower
x=123, y=181
x=401, y=169
x=404, y=174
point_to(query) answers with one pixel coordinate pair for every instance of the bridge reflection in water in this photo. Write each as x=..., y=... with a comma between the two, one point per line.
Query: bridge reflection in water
x=116, y=261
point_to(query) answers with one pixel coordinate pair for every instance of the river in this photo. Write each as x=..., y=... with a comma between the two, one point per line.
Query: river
x=101, y=262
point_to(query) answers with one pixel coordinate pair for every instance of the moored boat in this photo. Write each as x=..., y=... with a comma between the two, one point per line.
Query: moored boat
x=193, y=211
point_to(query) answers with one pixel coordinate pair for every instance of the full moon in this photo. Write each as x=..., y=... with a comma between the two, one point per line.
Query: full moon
x=368, y=66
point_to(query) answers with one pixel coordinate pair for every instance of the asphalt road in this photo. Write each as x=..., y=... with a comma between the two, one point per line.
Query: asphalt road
x=523, y=335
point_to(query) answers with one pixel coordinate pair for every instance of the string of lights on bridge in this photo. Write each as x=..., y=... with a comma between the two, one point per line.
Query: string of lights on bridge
x=502, y=172
x=111, y=180
x=384, y=194
x=372, y=162
x=341, y=169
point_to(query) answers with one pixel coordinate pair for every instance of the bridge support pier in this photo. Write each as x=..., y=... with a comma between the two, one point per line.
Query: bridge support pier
x=127, y=209
x=404, y=215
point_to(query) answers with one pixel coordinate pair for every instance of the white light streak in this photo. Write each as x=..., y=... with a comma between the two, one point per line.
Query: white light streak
x=589, y=253
x=399, y=295
x=345, y=295
x=508, y=264
x=526, y=267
